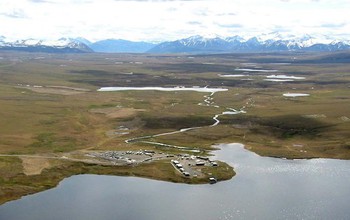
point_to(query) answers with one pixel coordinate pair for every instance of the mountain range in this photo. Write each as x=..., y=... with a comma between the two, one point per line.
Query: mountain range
x=272, y=42
x=262, y=43
x=62, y=45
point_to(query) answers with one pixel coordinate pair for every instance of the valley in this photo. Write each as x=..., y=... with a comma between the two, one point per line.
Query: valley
x=59, y=110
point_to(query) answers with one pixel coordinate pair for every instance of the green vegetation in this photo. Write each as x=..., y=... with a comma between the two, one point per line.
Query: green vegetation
x=282, y=127
x=18, y=184
x=175, y=123
x=39, y=115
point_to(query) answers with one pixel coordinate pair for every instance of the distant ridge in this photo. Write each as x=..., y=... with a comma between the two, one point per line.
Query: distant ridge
x=264, y=43
x=271, y=42
x=62, y=45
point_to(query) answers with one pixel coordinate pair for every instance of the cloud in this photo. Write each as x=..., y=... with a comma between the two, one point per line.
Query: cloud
x=279, y=28
x=202, y=12
x=300, y=1
x=40, y=1
x=194, y=23
x=159, y=0
x=171, y=9
x=15, y=13
x=57, y=2
x=169, y=19
x=333, y=25
x=226, y=14
x=230, y=25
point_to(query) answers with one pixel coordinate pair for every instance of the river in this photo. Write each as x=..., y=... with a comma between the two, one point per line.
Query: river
x=264, y=188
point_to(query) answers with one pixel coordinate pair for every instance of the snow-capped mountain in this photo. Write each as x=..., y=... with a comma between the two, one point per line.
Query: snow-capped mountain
x=62, y=45
x=270, y=42
x=195, y=43
x=262, y=43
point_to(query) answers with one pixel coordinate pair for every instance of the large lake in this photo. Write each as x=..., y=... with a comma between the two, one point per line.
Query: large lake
x=264, y=188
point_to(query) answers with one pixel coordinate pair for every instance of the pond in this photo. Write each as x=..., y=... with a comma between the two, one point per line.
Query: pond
x=264, y=188
x=164, y=89
x=293, y=95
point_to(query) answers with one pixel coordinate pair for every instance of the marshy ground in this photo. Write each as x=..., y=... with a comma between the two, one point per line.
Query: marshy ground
x=51, y=108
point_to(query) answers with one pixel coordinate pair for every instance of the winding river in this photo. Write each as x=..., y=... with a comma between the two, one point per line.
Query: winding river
x=264, y=188
x=208, y=101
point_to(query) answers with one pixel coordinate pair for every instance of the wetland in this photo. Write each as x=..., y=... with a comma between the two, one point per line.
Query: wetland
x=59, y=111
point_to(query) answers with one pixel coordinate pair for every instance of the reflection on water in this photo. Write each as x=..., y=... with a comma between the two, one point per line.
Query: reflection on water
x=264, y=188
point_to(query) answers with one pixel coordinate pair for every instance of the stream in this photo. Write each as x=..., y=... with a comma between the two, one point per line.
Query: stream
x=264, y=188
x=208, y=102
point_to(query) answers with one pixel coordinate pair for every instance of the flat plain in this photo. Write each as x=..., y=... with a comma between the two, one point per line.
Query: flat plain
x=52, y=117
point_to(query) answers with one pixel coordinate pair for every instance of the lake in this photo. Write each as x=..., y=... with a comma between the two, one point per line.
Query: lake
x=163, y=89
x=264, y=188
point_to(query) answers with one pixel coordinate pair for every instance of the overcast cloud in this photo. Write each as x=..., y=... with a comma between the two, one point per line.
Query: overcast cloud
x=159, y=20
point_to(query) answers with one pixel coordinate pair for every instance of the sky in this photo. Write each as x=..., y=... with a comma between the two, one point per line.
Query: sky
x=165, y=20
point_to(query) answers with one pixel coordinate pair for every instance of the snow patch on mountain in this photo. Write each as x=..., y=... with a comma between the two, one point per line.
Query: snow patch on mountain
x=209, y=43
x=274, y=41
x=62, y=43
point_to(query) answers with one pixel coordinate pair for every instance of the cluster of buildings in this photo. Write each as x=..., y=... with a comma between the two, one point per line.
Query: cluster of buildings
x=187, y=165
x=128, y=157
x=190, y=166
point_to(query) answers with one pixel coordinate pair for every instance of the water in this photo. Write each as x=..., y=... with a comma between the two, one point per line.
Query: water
x=293, y=95
x=233, y=75
x=255, y=70
x=165, y=89
x=284, y=77
x=264, y=188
